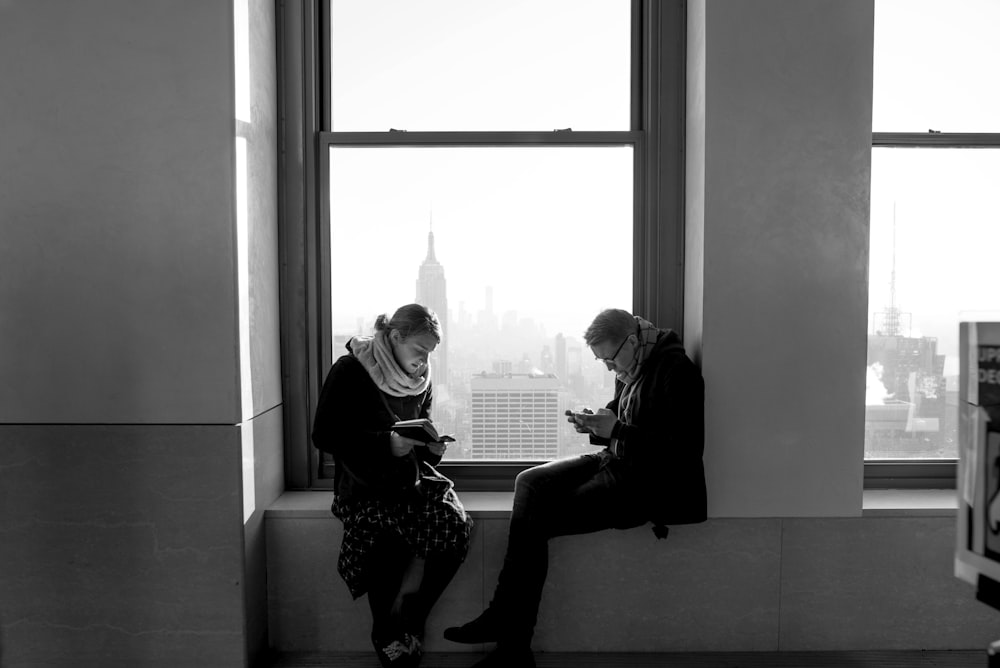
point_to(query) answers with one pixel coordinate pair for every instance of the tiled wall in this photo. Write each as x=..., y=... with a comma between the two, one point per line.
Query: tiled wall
x=120, y=546
x=729, y=584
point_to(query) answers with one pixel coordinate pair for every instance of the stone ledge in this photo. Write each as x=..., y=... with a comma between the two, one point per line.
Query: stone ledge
x=910, y=503
x=316, y=505
x=708, y=659
x=496, y=505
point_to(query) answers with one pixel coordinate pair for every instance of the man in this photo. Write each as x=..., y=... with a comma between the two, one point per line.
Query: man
x=650, y=470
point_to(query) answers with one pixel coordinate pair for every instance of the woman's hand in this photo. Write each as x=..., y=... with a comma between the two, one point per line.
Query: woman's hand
x=400, y=446
x=437, y=448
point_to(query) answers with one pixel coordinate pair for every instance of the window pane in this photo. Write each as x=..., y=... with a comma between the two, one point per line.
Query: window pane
x=516, y=249
x=937, y=66
x=480, y=65
x=935, y=228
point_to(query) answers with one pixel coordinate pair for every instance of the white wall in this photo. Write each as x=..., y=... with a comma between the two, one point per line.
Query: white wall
x=123, y=434
x=116, y=213
x=694, y=200
x=753, y=584
x=782, y=183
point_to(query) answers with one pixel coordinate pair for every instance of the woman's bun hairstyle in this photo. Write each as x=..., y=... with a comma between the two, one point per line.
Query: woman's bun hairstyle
x=410, y=320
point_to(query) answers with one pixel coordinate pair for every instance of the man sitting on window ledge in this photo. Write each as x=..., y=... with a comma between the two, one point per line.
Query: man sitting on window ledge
x=650, y=470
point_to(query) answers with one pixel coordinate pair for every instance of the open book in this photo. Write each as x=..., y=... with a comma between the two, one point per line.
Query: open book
x=421, y=429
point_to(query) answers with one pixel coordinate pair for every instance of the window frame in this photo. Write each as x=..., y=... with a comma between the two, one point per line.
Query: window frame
x=921, y=473
x=656, y=134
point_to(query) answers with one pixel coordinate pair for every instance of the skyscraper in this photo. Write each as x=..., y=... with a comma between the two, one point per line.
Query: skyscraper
x=545, y=360
x=912, y=377
x=561, y=368
x=905, y=404
x=487, y=319
x=432, y=292
x=515, y=416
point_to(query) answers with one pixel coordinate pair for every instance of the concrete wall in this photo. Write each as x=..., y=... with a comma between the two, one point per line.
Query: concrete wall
x=263, y=455
x=746, y=584
x=122, y=538
x=138, y=342
x=779, y=113
x=694, y=182
x=778, y=163
x=117, y=211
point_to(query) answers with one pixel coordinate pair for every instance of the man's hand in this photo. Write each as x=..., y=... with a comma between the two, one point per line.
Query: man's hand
x=401, y=445
x=574, y=419
x=599, y=424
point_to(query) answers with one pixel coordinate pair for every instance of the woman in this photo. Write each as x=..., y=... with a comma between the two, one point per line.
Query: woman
x=405, y=530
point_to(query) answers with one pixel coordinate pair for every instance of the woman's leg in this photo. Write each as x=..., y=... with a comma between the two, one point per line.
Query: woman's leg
x=409, y=584
x=438, y=571
x=386, y=567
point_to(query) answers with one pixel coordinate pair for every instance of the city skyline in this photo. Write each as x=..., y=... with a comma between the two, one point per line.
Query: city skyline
x=496, y=386
x=432, y=292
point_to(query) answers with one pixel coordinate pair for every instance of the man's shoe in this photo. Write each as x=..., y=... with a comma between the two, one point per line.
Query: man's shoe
x=507, y=657
x=482, y=629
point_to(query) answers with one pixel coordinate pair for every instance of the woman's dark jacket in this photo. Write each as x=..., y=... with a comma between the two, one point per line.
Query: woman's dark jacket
x=353, y=424
x=661, y=448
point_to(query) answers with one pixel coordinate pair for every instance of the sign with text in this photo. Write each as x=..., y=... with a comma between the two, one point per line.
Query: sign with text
x=977, y=551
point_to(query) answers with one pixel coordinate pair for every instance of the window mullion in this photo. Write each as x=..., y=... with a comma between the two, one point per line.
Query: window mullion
x=936, y=139
x=557, y=138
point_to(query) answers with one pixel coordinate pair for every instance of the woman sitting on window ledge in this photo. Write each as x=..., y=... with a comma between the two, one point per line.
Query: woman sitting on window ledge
x=405, y=530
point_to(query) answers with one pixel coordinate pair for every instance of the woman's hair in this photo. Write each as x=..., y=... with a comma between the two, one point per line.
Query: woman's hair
x=610, y=325
x=410, y=320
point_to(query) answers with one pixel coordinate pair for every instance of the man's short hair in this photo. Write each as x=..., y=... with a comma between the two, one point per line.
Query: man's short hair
x=611, y=324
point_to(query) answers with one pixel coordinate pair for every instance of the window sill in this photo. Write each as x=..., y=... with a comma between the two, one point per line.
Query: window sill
x=316, y=505
x=497, y=505
x=909, y=502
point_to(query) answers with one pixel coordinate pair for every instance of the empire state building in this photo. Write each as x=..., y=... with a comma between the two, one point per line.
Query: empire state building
x=432, y=292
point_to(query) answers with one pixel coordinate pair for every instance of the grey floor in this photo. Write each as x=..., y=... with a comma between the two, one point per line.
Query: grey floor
x=867, y=659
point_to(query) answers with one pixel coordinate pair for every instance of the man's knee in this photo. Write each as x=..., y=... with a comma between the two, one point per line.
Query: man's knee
x=529, y=481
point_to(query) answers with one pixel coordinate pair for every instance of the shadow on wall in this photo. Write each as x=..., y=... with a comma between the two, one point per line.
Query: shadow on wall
x=694, y=352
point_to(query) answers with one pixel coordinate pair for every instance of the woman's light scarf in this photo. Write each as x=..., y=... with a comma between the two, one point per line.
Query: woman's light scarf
x=375, y=354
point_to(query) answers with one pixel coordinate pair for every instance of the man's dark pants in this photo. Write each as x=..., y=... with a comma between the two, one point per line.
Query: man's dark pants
x=577, y=495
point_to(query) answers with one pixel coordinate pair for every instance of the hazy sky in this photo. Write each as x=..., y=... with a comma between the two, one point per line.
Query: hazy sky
x=550, y=229
x=937, y=66
x=544, y=226
x=475, y=65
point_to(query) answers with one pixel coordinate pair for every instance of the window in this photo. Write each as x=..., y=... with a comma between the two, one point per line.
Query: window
x=455, y=65
x=514, y=247
x=935, y=214
x=516, y=188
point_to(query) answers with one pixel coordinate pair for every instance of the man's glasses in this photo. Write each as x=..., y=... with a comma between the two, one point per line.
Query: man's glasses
x=611, y=360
